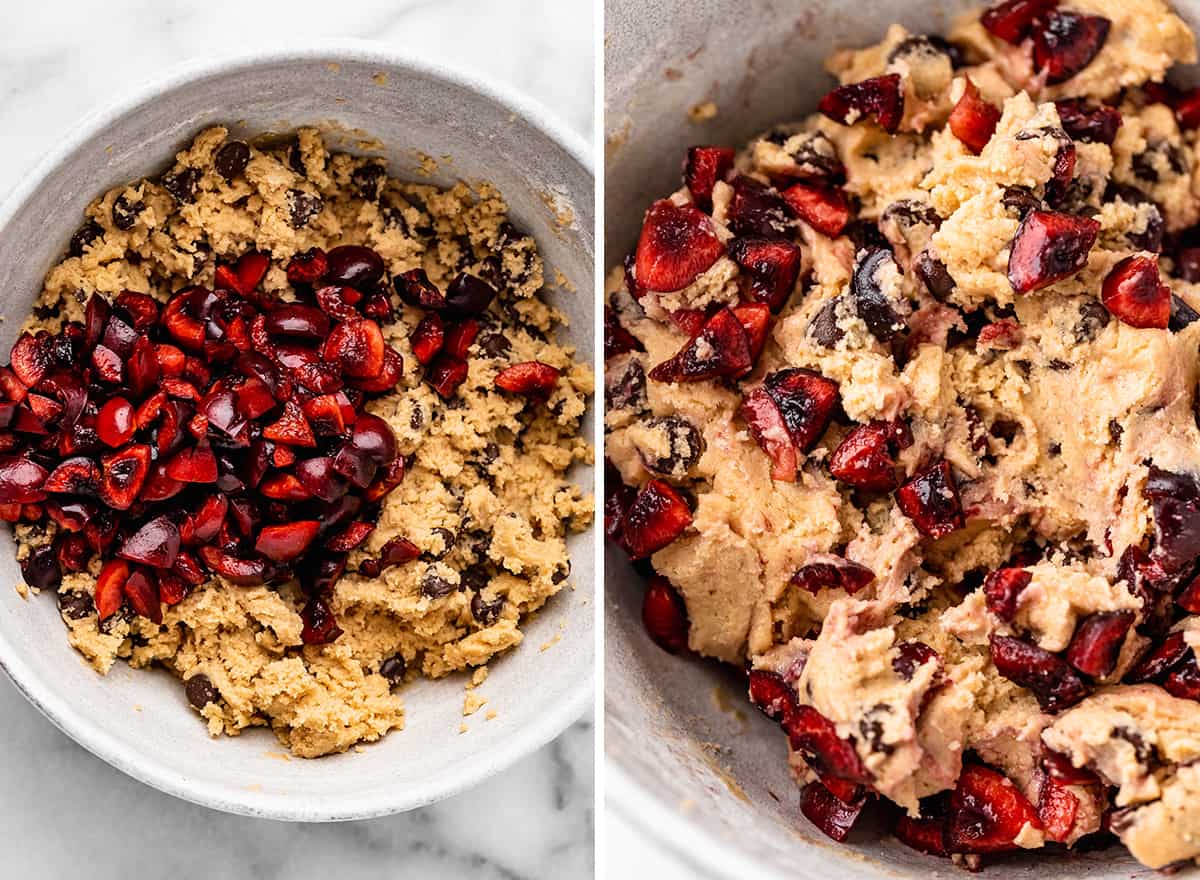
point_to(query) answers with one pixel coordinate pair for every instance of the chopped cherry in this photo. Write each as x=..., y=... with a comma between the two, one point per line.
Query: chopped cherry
x=824, y=208
x=1013, y=20
x=702, y=169
x=287, y=541
x=880, y=97
x=1055, y=684
x=990, y=812
x=1002, y=590
x=657, y=516
x=721, y=349
x=771, y=268
x=664, y=615
x=531, y=378
x=1049, y=247
x=807, y=401
x=770, y=693
x=677, y=244
x=765, y=421
x=427, y=338
x=973, y=120
x=931, y=501
x=863, y=459
x=829, y=813
x=1135, y=294
x=1097, y=642
x=1161, y=660
x=832, y=573
x=1067, y=42
x=1090, y=123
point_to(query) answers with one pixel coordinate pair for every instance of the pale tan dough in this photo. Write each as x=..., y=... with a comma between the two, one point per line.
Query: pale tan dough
x=484, y=469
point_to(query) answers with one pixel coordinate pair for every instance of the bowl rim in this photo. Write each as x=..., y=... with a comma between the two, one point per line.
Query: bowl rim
x=59, y=711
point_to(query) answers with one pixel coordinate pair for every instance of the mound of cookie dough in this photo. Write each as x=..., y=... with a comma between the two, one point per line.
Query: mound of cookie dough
x=902, y=415
x=430, y=563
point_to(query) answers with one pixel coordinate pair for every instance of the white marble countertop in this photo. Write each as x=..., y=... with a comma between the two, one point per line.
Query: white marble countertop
x=66, y=813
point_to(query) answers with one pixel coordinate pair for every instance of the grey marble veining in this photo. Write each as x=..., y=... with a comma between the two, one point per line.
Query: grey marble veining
x=66, y=813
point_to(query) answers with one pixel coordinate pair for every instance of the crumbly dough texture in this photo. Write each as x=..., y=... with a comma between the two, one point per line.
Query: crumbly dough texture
x=486, y=489
x=1050, y=440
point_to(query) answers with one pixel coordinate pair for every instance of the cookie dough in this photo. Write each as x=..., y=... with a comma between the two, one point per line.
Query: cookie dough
x=1053, y=415
x=486, y=496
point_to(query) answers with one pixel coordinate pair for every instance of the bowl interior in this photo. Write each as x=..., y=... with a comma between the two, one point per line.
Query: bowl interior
x=687, y=755
x=140, y=721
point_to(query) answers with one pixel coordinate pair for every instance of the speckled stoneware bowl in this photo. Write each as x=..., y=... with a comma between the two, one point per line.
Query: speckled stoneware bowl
x=688, y=759
x=139, y=721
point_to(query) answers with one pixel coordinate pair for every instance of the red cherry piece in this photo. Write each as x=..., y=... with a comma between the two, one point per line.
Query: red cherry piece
x=771, y=268
x=427, y=338
x=722, y=349
x=664, y=615
x=1012, y=21
x=1002, y=589
x=863, y=459
x=832, y=572
x=1067, y=42
x=283, y=543
x=931, y=501
x=880, y=97
x=824, y=208
x=530, y=378
x=657, y=517
x=1135, y=294
x=110, y=588
x=702, y=169
x=677, y=244
x=1049, y=247
x=765, y=421
x=973, y=120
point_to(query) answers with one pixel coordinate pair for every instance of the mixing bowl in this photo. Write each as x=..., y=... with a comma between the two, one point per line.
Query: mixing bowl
x=688, y=758
x=398, y=108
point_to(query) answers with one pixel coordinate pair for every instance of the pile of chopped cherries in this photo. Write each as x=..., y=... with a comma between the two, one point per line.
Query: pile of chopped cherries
x=225, y=432
x=788, y=413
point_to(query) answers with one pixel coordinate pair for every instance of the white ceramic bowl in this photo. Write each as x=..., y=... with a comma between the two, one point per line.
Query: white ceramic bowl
x=139, y=721
x=732, y=812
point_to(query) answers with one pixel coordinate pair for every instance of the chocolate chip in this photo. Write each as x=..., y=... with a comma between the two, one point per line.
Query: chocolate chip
x=393, y=218
x=933, y=273
x=486, y=613
x=628, y=390
x=474, y=577
x=495, y=345
x=232, y=159
x=1093, y=317
x=683, y=442
x=75, y=606
x=1020, y=200
x=182, y=184
x=926, y=46
x=417, y=419
x=303, y=206
x=561, y=574
x=1059, y=365
x=125, y=212
x=448, y=538
x=368, y=181
x=1115, y=431
x=393, y=670
x=200, y=690
x=295, y=158
x=87, y=234
x=824, y=327
x=480, y=543
x=433, y=586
